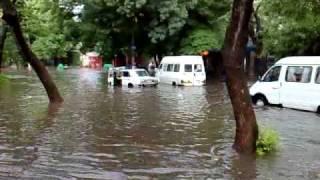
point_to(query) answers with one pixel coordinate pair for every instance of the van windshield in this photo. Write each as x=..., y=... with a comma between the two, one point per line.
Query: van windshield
x=197, y=68
x=272, y=75
x=142, y=73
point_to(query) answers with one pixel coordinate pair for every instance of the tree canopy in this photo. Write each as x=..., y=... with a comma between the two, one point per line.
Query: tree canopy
x=291, y=27
x=54, y=28
x=165, y=26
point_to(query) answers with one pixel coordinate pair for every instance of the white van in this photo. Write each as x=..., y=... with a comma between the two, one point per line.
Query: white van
x=182, y=70
x=293, y=82
x=130, y=77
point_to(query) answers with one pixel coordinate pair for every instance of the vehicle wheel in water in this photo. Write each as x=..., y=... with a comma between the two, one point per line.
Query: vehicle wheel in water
x=318, y=110
x=130, y=85
x=260, y=100
x=174, y=84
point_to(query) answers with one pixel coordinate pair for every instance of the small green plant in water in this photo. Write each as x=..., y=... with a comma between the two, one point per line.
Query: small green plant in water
x=268, y=141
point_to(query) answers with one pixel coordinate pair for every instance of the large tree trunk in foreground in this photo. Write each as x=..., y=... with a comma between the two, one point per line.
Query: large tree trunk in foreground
x=3, y=36
x=233, y=55
x=10, y=15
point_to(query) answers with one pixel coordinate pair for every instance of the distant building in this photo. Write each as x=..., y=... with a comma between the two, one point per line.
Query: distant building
x=91, y=60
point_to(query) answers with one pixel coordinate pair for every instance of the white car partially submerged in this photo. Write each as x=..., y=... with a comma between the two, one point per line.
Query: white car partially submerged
x=130, y=77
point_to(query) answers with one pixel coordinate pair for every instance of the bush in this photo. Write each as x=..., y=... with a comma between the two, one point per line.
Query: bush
x=268, y=141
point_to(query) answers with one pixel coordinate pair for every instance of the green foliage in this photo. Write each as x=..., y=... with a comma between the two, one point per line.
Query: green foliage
x=290, y=28
x=199, y=40
x=51, y=46
x=268, y=141
x=45, y=23
x=109, y=26
x=10, y=51
x=157, y=26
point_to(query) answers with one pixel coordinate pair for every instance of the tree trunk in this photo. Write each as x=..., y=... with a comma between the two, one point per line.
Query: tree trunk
x=233, y=56
x=10, y=15
x=3, y=36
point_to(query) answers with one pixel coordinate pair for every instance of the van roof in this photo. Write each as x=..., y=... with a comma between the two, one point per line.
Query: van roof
x=299, y=60
x=184, y=59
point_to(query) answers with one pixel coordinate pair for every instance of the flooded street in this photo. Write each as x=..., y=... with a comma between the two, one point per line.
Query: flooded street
x=162, y=132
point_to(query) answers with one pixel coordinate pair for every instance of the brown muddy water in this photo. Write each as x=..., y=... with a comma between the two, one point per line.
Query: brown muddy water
x=166, y=132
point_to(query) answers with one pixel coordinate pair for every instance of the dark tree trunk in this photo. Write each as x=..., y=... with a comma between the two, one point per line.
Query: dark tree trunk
x=10, y=15
x=233, y=55
x=3, y=36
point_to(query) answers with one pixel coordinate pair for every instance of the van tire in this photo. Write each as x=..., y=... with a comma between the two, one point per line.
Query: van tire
x=259, y=100
x=130, y=85
x=174, y=84
x=318, y=110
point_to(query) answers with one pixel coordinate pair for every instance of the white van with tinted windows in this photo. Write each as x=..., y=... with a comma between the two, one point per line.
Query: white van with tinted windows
x=293, y=82
x=182, y=70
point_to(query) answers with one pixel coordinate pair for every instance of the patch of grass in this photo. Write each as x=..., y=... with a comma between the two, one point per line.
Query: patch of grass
x=268, y=141
x=3, y=79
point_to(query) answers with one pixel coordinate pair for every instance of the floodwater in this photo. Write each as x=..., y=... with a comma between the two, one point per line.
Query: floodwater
x=165, y=132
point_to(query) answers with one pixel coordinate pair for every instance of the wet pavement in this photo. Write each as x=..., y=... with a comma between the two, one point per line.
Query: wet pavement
x=162, y=132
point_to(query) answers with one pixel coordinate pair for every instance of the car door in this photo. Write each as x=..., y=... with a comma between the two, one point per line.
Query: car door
x=315, y=90
x=125, y=78
x=198, y=74
x=163, y=73
x=188, y=73
x=270, y=85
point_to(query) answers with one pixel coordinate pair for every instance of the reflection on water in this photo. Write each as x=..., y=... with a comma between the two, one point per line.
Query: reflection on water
x=165, y=132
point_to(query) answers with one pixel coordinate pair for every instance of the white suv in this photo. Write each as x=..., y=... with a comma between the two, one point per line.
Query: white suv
x=132, y=77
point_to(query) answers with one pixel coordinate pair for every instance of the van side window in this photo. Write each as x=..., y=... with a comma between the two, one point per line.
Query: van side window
x=170, y=68
x=300, y=74
x=317, y=81
x=160, y=67
x=188, y=68
x=177, y=68
x=125, y=74
x=272, y=75
x=197, y=68
x=165, y=67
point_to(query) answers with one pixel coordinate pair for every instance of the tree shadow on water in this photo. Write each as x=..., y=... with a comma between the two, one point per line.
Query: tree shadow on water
x=244, y=167
x=46, y=118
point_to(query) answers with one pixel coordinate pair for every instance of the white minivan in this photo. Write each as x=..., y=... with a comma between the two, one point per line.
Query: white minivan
x=182, y=70
x=293, y=82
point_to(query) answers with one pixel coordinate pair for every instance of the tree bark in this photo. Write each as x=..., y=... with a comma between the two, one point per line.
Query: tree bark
x=3, y=36
x=233, y=56
x=10, y=15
